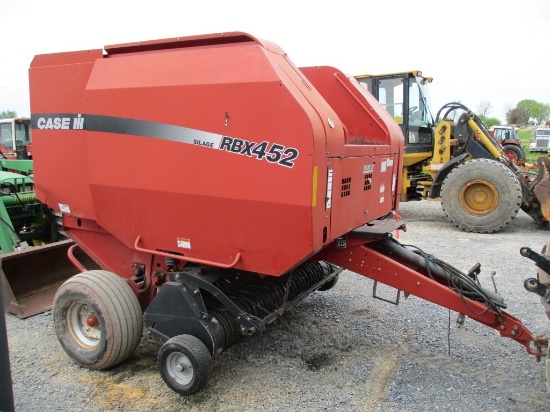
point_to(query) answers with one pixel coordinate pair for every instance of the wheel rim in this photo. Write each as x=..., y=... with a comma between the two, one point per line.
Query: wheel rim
x=510, y=154
x=479, y=197
x=84, y=324
x=180, y=368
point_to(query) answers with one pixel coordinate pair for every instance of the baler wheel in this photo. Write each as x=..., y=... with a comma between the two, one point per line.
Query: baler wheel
x=97, y=319
x=185, y=364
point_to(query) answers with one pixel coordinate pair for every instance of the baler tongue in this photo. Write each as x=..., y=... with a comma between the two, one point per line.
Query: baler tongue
x=31, y=277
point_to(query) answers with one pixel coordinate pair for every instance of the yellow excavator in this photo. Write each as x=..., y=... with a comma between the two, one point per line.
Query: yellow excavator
x=454, y=158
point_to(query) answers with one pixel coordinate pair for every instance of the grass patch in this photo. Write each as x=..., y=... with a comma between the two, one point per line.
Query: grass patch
x=525, y=136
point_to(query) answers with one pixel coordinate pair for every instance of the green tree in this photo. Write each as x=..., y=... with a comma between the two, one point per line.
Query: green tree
x=490, y=121
x=540, y=112
x=527, y=106
x=8, y=114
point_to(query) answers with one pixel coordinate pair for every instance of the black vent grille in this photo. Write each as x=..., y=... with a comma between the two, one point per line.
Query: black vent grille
x=346, y=187
x=368, y=182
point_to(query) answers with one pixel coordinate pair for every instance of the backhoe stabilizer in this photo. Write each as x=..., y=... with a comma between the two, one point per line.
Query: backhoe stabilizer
x=422, y=275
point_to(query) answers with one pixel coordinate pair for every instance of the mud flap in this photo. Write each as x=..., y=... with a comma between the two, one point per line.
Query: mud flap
x=30, y=278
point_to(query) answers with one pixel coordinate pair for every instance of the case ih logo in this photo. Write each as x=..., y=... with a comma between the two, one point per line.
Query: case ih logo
x=74, y=122
x=273, y=153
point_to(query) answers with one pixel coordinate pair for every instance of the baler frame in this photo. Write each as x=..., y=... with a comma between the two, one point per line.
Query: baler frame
x=210, y=260
x=179, y=307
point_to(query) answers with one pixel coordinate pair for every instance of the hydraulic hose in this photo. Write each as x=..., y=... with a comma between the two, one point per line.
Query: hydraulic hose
x=461, y=282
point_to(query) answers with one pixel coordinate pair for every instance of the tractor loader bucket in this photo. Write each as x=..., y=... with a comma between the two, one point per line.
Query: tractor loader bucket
x=30, y=278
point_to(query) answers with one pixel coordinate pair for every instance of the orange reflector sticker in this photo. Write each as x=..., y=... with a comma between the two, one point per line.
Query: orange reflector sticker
x=314, y=187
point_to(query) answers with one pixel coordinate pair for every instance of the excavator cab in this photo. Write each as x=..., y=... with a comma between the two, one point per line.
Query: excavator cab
x=405, y=96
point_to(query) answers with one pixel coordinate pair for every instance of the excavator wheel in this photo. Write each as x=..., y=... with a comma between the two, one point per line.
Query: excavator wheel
x=515, y=153
x=481, y=196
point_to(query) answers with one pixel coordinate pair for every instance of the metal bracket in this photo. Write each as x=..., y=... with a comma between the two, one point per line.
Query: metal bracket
x=248, y=324
x=396, y=302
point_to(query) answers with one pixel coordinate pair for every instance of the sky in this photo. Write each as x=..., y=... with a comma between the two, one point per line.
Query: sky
x=495, y=51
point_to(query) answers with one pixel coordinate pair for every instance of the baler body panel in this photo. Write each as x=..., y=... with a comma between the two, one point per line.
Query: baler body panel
x=209, y=150
x=59, y=87
x=366, y=177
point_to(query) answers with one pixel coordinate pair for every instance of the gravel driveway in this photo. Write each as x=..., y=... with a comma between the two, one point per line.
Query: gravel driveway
x=339, y=350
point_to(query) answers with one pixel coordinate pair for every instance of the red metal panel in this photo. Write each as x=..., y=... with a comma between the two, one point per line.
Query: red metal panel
x=366, y=122
x=220, y=201
x=60, y=168
x=363, y=189
x=209, y=148
x=366, y=167
x=217, y=202
x=58, y=59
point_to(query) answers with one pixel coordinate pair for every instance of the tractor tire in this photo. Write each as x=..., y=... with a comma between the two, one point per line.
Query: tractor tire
x=97, y=319
x=481, y=196
x=185, y=364
x=515, y=153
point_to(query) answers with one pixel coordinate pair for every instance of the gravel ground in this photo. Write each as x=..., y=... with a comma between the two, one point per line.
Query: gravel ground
x=339, y=350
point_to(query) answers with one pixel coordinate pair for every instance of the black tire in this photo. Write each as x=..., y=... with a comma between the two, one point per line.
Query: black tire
x=481, y=196
x=515, y=153
x=330, y=284
x=97, y=319
x=185, y=364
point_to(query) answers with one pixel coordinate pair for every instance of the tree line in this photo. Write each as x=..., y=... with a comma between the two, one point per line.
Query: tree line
x=525, y=112
x=8, y=114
